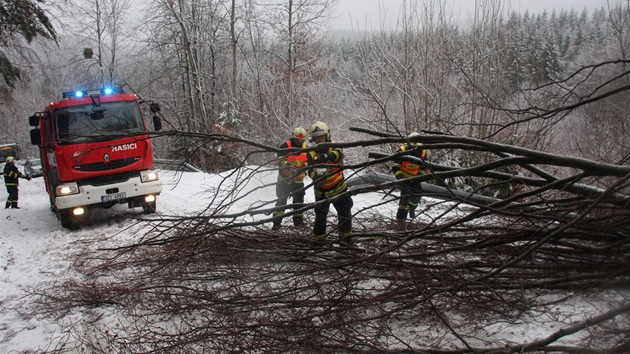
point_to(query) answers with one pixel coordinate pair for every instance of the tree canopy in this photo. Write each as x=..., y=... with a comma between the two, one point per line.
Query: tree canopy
x=20, y=19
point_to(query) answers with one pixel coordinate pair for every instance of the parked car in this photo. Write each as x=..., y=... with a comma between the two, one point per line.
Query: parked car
x=33, y=167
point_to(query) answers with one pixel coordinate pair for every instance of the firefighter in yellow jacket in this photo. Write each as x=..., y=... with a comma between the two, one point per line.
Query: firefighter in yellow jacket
x=291, y=173
x=329, y=182
x=404, y=169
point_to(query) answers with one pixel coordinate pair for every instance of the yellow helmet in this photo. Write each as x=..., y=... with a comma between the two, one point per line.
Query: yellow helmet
x=414, y=143
x=299, y=133
x=319, y=129
x=9, y=159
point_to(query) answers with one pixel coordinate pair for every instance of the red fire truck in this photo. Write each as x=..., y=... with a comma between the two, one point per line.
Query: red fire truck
x=96, y=152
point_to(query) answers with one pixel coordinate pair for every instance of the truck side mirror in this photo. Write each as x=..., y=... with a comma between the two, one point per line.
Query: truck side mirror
x=157, y=123
x=33, y=121
x=36, y=137
x=155, y=107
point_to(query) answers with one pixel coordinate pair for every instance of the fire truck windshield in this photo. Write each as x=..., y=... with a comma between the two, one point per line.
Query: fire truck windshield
x=112, y=120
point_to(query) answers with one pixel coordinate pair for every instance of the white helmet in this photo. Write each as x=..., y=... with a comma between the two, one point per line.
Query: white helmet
x=319, y=129
x=9, y=159
x=299, y=133
x=414, y=143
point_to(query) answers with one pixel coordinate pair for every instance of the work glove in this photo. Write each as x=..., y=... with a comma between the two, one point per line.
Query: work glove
x=289, y=170
x=28, y=178
x=320, y=171
x=321, y=157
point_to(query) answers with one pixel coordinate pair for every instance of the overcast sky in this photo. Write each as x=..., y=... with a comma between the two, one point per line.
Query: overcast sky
x=355, y=14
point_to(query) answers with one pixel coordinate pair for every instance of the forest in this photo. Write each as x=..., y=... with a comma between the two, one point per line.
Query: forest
x=529, y=109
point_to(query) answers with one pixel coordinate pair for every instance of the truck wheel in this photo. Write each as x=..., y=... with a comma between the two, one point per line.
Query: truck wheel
x=149, y=208
x=67, y=220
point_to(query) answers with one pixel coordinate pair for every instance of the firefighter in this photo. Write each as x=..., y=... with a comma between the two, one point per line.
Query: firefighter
x=404, y=169
x=11, y=181
x=329, y=182
x=291, y=173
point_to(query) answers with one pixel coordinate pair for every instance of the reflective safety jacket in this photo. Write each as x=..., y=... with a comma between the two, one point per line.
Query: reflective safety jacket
x=11, y=175
x=325, y=171
x=290, y=164
x=405, y=168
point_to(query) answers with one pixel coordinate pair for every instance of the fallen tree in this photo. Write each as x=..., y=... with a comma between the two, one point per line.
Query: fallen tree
x=465, y=273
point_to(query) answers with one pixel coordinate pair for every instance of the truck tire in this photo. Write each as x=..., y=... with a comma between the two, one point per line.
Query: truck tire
x=149, y=208
x=67, y=220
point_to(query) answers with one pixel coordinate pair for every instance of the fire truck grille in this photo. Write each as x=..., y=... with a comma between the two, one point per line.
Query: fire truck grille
x=109, y=179
x=102, y=166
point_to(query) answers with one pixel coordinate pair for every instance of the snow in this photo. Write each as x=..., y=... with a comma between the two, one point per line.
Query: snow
x=36, y=252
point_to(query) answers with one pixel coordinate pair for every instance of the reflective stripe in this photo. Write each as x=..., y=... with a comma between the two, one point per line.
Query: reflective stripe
x=334, y=174
x=345, y=234
x=321, y=194
x=298, y=161
x=318, y=237
x=408, y=168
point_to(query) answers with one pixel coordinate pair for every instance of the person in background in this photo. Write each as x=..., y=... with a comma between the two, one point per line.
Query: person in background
x=329, y=182
x=291, y=173
x=404, y=169
x=11, y=181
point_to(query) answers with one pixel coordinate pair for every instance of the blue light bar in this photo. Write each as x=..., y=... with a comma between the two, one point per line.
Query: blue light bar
x=110, y=90
x=75, y=94
x=105, y=91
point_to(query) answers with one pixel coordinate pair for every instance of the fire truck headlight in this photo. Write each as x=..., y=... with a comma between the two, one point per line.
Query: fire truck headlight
x=67, y=189
x=148, y=176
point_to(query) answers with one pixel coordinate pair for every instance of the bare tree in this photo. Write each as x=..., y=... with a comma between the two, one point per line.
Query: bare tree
x=296, y=23
x=107, y=31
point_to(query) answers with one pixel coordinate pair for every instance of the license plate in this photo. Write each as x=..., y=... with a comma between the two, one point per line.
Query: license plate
x=110, y=197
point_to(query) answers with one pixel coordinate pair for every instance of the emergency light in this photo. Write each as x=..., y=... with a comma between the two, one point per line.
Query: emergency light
x=75, y=94
x=105, y=91
x=110, y=90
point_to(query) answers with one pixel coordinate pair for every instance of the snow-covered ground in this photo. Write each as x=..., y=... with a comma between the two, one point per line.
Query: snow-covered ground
x=36, y=252
x=35, y=249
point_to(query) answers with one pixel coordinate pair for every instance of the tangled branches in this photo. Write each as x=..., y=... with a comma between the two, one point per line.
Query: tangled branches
x=463, y=277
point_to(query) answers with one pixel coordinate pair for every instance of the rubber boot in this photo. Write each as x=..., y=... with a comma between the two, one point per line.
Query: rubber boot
x=15, y=206
x=401, y=217
x=277, y=220
x=7, y=205
x=345, y=238
x=401, y=225
x=412, y=212
x=318, y=240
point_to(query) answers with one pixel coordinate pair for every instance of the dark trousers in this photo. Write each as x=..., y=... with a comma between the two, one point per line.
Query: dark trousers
x=344, y=212
x=410, y=195
x=12, y=200
x=286, y=190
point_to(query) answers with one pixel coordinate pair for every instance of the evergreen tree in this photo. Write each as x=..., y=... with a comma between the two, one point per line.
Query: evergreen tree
x=20, y=18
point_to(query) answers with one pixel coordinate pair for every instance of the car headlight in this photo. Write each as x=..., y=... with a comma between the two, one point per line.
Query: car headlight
x=67, y=189
x=148, y=176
